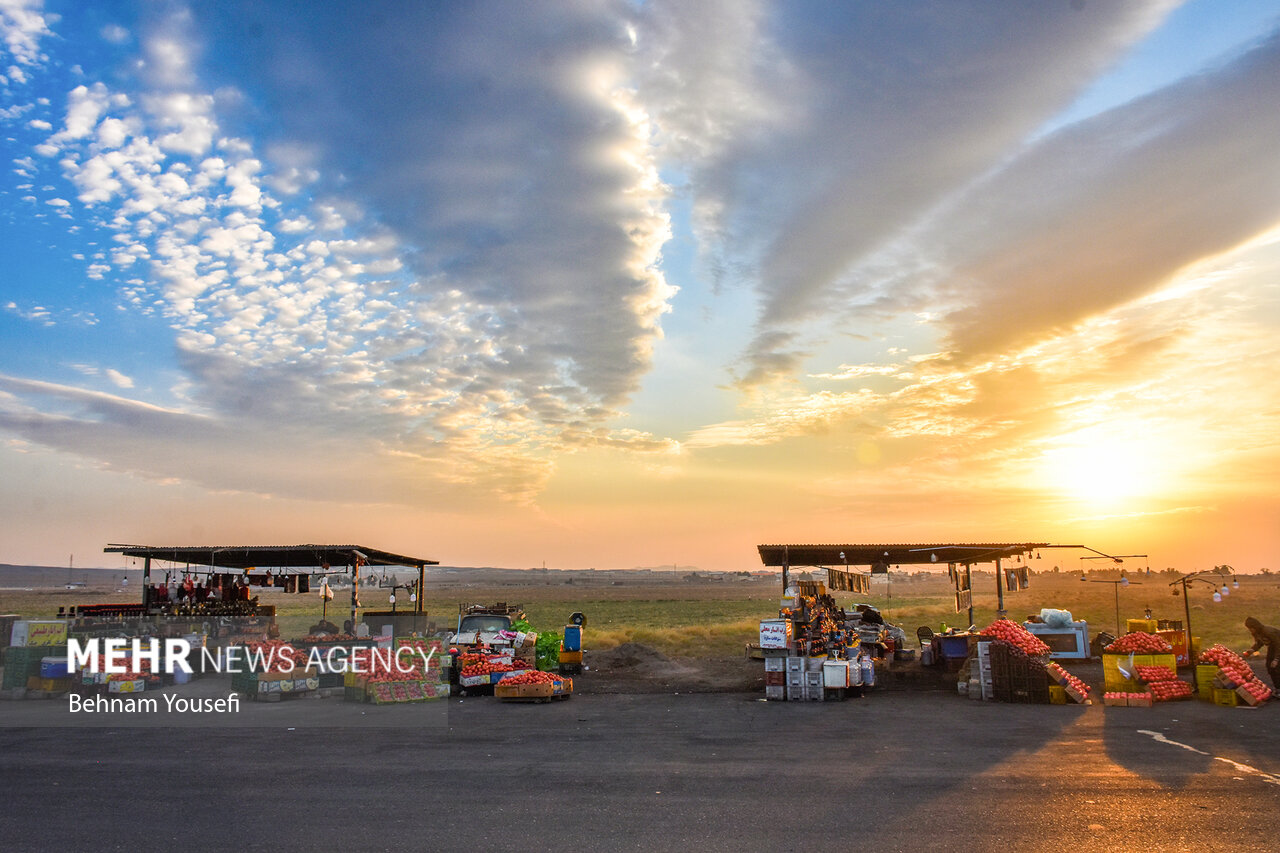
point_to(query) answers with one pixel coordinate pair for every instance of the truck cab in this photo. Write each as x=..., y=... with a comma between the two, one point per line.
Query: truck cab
x=484, y=624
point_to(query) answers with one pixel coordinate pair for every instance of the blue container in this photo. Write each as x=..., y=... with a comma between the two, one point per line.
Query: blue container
x=572, y=641
x=54, y=668
x=955, y=647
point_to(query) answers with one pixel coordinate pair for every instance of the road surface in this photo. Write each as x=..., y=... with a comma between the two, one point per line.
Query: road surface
x=898, y=770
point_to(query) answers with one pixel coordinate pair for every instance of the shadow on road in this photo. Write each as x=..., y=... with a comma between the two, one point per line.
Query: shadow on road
x=1127, y=736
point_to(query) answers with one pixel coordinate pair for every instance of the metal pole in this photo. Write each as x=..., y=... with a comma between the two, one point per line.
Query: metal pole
x=146, y=584
x=968, y=577
x=1186, y=604
x=1000, y=614
x=355, y=593
x=1116, y=584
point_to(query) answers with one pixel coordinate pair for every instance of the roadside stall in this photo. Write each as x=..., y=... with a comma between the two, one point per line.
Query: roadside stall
x=1147, y=675
x=1010, y=664
x=815, y=651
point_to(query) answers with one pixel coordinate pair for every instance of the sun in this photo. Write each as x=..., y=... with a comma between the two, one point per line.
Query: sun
x=1100, y=469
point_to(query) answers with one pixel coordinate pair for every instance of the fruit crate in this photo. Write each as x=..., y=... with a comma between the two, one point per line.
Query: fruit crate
x=1018, y=678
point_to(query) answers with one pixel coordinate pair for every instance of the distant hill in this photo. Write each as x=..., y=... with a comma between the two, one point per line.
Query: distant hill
x=57, y=576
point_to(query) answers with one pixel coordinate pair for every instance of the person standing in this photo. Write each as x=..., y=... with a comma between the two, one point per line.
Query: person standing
x=1269, y=637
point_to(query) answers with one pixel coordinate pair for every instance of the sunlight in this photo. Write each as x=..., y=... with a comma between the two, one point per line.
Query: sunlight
x=1100, y=469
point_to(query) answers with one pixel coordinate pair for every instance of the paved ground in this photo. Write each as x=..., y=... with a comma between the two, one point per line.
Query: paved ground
x=899, y=770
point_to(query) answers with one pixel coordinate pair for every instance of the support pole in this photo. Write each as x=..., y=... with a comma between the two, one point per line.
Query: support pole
x=968, y=578
x=146, y=584
x=355, y=593
x=1000, y=614
x=1186, y=604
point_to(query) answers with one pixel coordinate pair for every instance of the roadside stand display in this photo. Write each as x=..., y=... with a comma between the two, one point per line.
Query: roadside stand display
x=815, y=651
x=1011, y=664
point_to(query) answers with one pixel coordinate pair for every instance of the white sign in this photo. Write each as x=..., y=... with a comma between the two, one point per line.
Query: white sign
x=775, y=634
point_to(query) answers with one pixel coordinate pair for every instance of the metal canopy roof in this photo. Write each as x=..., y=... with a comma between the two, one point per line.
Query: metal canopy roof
x=269, y=556
x=869, y=555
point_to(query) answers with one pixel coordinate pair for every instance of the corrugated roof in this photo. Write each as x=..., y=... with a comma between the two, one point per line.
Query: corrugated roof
x=899, y=554
x=269, y=556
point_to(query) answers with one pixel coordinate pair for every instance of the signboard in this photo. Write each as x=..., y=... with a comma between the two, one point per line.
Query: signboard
x=964, y=599
x=34, y=633
x=839, y=579
x=775, y=634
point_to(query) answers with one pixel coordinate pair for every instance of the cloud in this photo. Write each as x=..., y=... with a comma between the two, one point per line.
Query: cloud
x=1108, y=210
x=22, y=26
x=877, y=133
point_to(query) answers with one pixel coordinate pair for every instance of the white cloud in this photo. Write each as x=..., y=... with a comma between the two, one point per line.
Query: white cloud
x=22, y=26
x=114, y=34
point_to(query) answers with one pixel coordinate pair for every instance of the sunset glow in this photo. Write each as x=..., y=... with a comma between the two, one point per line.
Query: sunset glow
x=615, y=285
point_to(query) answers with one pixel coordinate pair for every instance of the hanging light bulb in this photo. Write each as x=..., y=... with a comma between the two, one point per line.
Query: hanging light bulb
x=1217, y=597
x=1235, y=584
x=1124, y=581
x=1225, y=591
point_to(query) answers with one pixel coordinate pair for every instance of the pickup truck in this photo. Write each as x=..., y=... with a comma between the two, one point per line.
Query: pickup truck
x=481, y=624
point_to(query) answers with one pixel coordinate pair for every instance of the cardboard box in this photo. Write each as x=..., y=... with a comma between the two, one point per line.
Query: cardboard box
x=1076, y=696
x=126, y=686
x=1247, y=698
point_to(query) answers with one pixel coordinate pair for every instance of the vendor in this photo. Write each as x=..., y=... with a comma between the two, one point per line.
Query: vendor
x=870, y=615
x=1269, y=637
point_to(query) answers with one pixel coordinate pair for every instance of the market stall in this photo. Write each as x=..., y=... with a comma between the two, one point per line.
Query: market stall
x=815, y=650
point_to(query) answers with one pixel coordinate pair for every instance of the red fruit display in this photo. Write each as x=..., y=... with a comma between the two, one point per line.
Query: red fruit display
x=1008, y=631
x=1167, y=691
x=532, y=676
x=1233, y=667
x=1153, y=674
x=1140, y=642
x=1258, y=690
x=1076, y=683
x=485, y=668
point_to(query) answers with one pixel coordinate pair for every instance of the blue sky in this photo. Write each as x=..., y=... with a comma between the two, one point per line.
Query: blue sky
x=596, y=274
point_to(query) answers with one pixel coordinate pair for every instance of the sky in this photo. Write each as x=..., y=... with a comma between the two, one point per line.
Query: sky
x=611, y=284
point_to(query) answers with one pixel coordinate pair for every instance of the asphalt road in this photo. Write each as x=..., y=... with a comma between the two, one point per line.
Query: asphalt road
x=898, y=770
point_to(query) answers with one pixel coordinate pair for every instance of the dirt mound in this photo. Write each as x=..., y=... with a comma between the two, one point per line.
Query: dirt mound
x=627, y=655
x=637, y=668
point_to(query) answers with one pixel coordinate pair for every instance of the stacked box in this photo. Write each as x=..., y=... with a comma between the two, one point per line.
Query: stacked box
x=1017, y=678
x=137, y=686
x=1205, y=675
x=1226, y=697
x=21, y=663
x=775, y=664
x=775, y=679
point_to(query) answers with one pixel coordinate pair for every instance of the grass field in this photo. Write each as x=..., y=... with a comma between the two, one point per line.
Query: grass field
x=715, y=619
